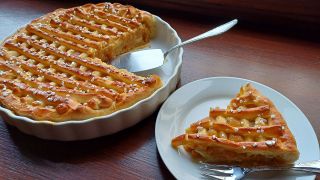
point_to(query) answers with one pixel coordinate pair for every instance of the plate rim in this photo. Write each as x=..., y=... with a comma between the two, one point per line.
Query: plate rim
x=172, y=171
x=15, y=117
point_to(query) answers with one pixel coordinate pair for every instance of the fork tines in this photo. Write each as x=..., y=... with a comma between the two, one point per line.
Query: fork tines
x=215, y=171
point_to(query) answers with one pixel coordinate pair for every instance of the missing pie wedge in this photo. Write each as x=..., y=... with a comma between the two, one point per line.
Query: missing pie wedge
x=250, y=132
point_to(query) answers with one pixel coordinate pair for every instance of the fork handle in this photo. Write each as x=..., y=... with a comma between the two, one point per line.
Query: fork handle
x=213, y=32
x=312, y=166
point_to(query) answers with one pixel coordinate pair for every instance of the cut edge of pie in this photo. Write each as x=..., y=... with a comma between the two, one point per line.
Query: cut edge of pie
x=54, y=68
x=250, y=132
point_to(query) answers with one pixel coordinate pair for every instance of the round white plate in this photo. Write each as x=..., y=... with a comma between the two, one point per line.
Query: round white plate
x=165, y=38
x=192, y=102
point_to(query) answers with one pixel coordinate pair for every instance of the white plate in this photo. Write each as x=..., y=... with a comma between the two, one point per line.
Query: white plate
x=193, y=101
x=165, y=38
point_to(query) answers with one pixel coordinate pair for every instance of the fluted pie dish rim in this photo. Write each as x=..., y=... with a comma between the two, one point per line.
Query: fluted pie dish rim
x=169, y=74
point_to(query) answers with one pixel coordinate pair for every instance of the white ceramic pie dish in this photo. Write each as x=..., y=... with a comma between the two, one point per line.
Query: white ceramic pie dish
x=99, y=126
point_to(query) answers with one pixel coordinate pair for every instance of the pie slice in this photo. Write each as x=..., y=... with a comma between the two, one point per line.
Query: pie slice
x=54, y=68
x=250, y=132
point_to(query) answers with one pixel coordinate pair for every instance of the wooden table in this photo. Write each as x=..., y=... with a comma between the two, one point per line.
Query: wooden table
x=288, y=64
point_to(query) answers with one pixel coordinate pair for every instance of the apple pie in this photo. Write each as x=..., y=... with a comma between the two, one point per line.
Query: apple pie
x=55, y=67
x=249, y=132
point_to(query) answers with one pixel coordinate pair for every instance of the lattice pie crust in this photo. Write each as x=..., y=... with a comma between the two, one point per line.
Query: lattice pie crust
x=251, y=131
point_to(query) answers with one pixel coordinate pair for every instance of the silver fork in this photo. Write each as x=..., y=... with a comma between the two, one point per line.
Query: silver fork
x=226, y=172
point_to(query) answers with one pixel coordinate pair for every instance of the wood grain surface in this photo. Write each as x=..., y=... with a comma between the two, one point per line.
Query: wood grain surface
x=277, y=58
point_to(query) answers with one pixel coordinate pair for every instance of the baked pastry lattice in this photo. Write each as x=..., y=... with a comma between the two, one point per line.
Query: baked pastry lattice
x=251, y=131
x=54, y=68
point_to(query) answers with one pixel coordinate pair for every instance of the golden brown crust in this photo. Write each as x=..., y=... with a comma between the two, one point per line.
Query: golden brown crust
x=251, y=131
x=53, y=69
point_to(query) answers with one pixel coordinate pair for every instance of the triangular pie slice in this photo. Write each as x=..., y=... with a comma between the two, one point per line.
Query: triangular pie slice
x=250, y=132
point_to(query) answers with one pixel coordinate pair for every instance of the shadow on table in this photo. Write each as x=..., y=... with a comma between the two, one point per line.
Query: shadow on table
x=163, y=168
x=111, y=148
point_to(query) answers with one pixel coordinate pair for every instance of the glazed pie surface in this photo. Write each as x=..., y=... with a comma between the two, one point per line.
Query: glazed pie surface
x=250, y=132
x=55, y=67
